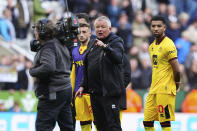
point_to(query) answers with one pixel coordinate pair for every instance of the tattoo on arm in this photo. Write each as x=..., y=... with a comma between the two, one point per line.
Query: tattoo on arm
x=177, y=76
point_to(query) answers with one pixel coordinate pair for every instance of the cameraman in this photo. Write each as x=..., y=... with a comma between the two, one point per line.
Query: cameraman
x=52, y=71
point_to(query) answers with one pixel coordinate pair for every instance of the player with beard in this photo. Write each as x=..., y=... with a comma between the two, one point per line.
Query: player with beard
x=160, y=102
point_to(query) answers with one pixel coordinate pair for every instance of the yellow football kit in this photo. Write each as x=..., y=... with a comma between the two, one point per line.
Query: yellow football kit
x=82, y=104
x=160, y=102
x=83, y=108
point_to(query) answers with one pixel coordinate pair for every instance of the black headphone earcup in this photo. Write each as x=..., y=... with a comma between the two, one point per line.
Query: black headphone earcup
x=42, y=31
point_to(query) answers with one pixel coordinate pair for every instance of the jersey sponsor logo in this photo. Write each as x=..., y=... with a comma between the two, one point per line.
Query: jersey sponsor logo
x=170, y=52
x=155, y=59
x=79, y=63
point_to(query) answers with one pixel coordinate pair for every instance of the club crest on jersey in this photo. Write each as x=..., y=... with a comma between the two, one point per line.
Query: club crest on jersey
x=155, y=59
x=160, y=49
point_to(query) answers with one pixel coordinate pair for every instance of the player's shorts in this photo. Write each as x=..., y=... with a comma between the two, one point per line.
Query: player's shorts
x=160, y=107
x=83, y=108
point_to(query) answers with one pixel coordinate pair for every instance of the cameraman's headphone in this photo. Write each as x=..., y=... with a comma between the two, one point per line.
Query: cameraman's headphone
x=42, y=32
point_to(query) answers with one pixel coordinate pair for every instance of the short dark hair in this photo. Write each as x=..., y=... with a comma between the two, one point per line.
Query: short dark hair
x=84, y=25
x=158, y=18
x=84, y=16
x=49, y=29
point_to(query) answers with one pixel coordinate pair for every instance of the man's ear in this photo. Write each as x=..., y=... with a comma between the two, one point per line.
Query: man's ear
x=164, y=27
x=110, y=28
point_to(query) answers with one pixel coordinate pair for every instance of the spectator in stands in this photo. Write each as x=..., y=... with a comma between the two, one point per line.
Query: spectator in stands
x=22, y=16
x=22, y=60
x=140, y=31
x=193, y=75
x=5, y=60
x=7, y=30
x=16, y=107
x=25, y=81
x=173, y=30
x=124, y=31
x=38, y=11
x=144, y=54
x=192, y=31
x=113, y=11
x=147, y=16
x=2, y=108
x=193, y=15
x=9, y=81
x=183, y=46
x=163, y=10
x=18, y=66
x=187, y=6
x=79, y=5
x=135, y=74
x=136, y=5
x=127, y=7
x=146, y=72
x=190, y=57
x=134, y=52
x=171, y=9
x=183, y=19
x=153, y=6
x=95, y=6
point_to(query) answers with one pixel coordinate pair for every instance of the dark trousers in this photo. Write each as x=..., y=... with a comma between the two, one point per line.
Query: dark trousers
x=73, y=110
x=50, y=111
x=106, y=113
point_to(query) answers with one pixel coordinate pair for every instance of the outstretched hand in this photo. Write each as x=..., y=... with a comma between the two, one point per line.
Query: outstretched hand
x=100, y=43
x=79, y=92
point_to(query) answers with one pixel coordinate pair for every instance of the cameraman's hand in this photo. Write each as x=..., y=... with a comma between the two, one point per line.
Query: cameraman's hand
x=79, y=92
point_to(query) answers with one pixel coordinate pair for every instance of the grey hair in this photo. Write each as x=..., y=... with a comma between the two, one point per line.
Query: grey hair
x=105, y=18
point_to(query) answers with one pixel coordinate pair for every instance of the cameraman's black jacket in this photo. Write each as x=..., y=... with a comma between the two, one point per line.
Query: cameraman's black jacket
x=51, y=68
x=103, y=68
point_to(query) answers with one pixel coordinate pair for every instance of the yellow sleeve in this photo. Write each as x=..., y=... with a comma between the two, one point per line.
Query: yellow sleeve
x=171, y=51
x=72, y=76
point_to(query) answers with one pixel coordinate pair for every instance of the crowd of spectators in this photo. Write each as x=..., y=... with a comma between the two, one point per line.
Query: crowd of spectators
x=130, y=20
x=14, y=72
